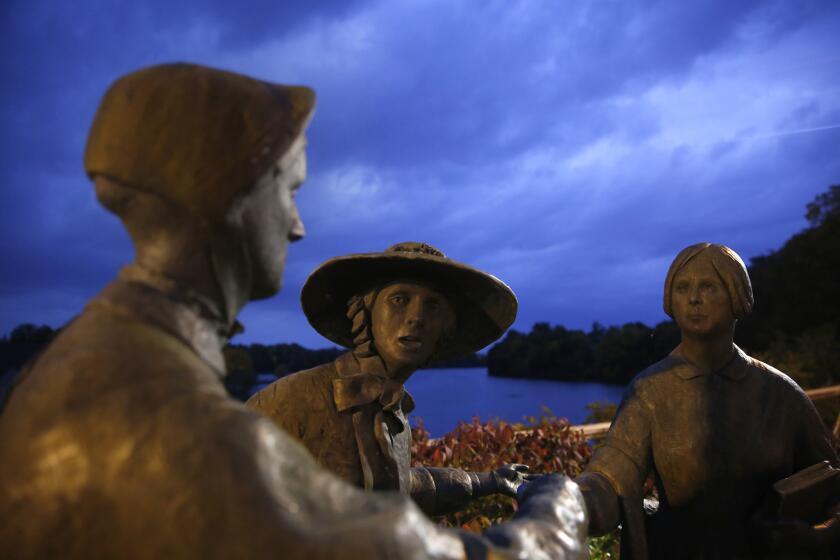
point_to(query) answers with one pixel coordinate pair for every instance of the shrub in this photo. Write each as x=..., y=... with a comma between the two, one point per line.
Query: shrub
x=546, y=444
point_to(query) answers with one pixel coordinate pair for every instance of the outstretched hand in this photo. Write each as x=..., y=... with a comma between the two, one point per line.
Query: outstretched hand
x=794, y=534
x=509, y=478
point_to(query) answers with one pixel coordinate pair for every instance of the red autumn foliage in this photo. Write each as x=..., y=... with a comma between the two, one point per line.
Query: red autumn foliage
x=546, y=444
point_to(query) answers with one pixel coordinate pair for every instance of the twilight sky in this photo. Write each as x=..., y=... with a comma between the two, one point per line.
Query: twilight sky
x=571, y=148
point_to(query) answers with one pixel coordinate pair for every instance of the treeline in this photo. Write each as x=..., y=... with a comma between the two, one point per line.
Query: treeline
x=22, y=343
x=796, y=322
x=795, y=325
x=604, y=354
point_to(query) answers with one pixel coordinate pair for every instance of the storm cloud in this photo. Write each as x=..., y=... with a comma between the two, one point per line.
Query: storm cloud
x=571, y=149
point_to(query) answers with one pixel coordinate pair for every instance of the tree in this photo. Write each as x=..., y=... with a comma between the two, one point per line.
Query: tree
x=24, y=342
x=796, y=288
x=825, y=207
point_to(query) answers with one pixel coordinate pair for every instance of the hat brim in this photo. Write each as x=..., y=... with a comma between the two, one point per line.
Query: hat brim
x=484, y=305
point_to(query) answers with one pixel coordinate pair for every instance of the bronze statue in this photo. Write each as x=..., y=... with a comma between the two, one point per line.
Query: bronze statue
x=714, y=427
x=396, y=310
x=119, y=440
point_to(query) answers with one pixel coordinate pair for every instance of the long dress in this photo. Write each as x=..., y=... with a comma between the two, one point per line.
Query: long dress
x=714, y=444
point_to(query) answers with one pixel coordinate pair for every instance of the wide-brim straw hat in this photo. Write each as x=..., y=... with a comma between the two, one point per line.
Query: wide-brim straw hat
x=484, y=306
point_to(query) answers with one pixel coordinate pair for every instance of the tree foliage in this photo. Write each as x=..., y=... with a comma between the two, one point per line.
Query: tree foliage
x=604, y=354
x=23, y=343
x=796, y=321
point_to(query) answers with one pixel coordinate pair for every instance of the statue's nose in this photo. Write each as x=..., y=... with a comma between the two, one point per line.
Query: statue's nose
x=297, y=231
x=694, y=295
x=415, y=313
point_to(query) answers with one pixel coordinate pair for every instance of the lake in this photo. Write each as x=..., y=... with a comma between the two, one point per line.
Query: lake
x=445, y=396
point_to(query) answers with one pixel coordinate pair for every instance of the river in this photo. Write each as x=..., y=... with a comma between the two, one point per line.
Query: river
x=445, y=396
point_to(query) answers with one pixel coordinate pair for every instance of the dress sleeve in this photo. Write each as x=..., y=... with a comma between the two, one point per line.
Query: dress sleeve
x=273, y=492
x=439, y=490
x=625, y=457
x=616, y=473
x=812, y=442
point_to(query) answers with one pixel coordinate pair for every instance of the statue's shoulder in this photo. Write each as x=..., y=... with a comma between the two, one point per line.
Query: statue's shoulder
x=778, y=380
x=305, y=380
x=295, y=393
x=100, y=355
x=662, y=372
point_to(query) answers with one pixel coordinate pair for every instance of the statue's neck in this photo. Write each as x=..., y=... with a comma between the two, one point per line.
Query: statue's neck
x=401, y=375
x=373, y=363
x=708, y=354
x=210, y=273
x=208, y=307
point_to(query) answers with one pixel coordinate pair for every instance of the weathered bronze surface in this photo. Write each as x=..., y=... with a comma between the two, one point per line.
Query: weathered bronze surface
x=398, y=315
x=119, y=440
x=713, y=426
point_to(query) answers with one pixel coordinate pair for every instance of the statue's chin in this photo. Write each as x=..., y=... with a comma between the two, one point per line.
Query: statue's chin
x=264, y=288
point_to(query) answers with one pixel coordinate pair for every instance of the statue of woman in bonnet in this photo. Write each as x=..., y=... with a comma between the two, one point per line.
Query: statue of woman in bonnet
x=713, y=426
x=396, y=310
x=119, y=440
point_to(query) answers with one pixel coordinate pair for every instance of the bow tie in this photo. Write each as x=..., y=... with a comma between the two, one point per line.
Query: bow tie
x=365, y=388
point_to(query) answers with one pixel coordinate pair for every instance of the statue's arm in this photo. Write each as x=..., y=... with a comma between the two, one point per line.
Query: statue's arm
x=813, y=440
x=613, y=481
x=440, y=490
x=812, y=444
x=551, y=523
x=290, y=504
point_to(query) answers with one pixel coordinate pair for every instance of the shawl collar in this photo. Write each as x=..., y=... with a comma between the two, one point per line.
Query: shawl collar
x=377, y=406
x=178, y=311
x=354, y=387
x=735, y=369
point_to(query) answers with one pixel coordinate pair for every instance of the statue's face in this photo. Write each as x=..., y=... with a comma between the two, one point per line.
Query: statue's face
x=408, y=320
x=699, y=300
x=270, y=220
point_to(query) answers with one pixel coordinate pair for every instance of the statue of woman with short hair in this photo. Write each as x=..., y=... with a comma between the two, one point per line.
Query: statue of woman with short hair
x=713, y=426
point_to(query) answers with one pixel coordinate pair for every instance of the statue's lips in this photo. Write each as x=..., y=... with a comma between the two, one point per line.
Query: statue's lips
x=410, y=342
x=696, y=317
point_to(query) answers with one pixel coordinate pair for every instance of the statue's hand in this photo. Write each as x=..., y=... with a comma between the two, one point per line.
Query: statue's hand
x=508, y=478
x=794, y=534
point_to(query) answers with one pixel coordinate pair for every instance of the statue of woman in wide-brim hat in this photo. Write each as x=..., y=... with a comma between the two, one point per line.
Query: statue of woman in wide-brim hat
x=396, y=311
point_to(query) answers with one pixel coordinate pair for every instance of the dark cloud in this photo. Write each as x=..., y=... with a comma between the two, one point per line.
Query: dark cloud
x=570, y=149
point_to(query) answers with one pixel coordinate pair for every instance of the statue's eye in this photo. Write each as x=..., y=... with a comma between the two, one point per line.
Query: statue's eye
x=399, y=299
x=681, y=287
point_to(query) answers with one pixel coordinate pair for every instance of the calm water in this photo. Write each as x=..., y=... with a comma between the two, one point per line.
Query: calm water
x=445, y=396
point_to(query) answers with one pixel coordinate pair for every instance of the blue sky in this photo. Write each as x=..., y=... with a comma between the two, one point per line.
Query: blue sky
x=571, y=148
